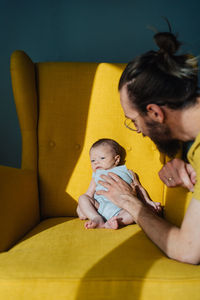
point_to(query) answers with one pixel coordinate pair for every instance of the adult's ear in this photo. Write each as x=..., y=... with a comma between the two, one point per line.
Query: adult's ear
x=155, y=112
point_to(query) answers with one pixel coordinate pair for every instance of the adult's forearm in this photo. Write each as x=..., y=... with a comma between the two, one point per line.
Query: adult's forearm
x=161, y=232
x=182, y=244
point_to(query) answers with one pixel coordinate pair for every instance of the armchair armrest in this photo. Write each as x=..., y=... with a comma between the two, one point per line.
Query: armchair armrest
x=19, y=205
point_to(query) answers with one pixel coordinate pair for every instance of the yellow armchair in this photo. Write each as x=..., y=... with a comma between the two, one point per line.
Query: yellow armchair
x=19, y=204
x=46, y=253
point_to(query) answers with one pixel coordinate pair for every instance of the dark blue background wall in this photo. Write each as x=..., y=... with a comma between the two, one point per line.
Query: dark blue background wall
x=78, y=30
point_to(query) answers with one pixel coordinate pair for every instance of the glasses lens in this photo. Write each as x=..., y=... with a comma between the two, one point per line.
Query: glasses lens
x=130, y=125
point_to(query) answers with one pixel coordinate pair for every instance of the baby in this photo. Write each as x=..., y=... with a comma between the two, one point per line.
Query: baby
x=106, y=155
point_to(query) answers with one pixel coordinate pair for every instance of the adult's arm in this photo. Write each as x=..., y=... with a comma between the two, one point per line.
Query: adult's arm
x=182, y=244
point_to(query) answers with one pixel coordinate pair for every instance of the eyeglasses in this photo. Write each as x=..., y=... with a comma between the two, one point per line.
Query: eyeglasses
x=130, y=124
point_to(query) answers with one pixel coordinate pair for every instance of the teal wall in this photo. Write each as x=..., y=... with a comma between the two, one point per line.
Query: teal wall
x=80, y=30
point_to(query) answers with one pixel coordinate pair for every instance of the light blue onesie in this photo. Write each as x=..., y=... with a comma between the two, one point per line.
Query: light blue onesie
x=106, y=208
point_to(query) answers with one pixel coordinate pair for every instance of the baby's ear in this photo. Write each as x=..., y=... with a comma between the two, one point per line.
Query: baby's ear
x=117, y=159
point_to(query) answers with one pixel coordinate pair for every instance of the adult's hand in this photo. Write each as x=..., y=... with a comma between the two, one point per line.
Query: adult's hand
x=178, y=173
x=118, y=191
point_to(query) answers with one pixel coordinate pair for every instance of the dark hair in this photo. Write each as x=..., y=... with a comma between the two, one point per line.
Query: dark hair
x=161, y=77
x=117, y=148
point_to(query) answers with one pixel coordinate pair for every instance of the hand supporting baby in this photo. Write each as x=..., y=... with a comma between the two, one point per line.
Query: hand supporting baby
x=118, y=191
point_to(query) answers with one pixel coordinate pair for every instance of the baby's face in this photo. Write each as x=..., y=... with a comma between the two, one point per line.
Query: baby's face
x=103, y=157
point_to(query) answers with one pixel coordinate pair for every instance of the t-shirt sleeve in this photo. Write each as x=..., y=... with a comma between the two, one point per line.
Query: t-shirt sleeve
x=196, y=165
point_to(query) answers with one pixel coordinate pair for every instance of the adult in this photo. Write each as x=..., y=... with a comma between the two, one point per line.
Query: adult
x=159, y=94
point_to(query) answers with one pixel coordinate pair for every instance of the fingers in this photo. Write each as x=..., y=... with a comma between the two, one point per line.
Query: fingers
x=111, y=179
x=177, y=173
x=108, y=180
x=169, y=175
x=191, y=173
x=114, y=177
x=101, y=192
x=186, y=181
x=114, y=184
x=117, y=190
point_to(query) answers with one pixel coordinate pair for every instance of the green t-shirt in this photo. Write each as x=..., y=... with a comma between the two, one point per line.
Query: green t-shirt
x=194, y=159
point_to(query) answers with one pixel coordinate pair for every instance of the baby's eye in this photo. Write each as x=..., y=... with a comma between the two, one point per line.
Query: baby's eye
x=92, y=160
x=102, y=157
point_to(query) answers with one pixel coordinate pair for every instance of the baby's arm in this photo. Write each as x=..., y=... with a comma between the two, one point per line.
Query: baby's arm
x=86, y=202
x=91, y=190
x=142, y=194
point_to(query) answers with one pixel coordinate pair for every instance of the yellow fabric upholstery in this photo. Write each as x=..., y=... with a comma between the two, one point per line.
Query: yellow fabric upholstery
x=193, y=155
x=64, y=91
x=25, y=93
x=60, y=259
x=63, y=108
x=72, y=97
x=19, y=206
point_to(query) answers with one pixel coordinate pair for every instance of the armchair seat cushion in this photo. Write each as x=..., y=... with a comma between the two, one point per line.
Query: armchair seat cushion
x=60, y=259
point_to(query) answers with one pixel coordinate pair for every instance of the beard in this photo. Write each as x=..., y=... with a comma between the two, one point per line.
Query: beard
x=161, y=135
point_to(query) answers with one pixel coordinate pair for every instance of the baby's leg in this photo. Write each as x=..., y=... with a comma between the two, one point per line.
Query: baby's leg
x=122, y=219
x=80, y=213
x=88, y=206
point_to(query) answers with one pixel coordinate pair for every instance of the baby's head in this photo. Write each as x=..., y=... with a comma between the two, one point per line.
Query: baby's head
x=106, y=154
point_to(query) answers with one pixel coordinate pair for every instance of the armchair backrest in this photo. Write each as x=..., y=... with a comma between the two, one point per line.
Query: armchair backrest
x=63, y=108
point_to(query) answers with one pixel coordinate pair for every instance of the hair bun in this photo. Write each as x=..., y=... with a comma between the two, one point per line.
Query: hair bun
x=167, y=42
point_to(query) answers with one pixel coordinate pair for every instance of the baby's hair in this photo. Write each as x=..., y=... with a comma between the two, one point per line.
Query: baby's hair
x=116, y=147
